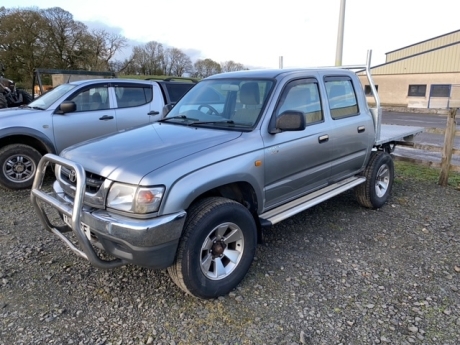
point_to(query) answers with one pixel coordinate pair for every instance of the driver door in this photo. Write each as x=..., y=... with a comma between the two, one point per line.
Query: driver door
x=93, y=117
x=298, y=162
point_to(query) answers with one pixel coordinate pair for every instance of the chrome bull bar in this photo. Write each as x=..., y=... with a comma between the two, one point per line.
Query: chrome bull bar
x=72, y=211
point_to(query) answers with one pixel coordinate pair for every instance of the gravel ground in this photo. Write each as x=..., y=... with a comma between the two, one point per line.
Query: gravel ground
x=335, y=274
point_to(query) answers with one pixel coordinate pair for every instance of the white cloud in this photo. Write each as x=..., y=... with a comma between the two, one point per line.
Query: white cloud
x=255, y=33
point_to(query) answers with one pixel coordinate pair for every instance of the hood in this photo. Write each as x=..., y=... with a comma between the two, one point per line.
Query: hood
x=10, y=112
x=128, y=156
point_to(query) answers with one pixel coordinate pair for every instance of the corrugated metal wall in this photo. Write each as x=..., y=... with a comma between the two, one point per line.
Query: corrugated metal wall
x=443, y=60
x=421, y=47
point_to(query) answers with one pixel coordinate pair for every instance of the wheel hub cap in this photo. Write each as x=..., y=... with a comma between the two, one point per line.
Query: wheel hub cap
x=218, y=248
x=19, y=168
x=382, y=181
x=221, y=251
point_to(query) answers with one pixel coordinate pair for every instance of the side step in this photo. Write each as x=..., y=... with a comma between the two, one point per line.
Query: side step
x=296, y=206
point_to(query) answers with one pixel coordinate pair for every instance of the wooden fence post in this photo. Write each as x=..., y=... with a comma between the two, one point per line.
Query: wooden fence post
x=448, y=146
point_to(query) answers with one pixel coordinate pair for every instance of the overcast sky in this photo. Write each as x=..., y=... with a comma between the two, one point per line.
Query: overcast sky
x=257, y=32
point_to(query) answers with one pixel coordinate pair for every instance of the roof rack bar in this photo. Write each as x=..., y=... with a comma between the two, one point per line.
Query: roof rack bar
x=76, y=72
x=377, y=111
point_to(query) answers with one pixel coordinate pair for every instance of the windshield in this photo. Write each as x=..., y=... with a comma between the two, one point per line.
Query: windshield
x=45, y=100
x=222, y=102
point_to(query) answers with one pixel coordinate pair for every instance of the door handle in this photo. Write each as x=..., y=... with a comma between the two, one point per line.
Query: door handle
x=323, y=138
x=361, y=129
x=153, y=112
x=106, y=117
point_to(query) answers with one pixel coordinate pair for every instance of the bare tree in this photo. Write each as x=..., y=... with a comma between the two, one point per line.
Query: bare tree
x=149, y=59
x=51, y=38
x=155, y=55
x=65, y=39
x=231, y=66
x=102, y=47
x=122, y=67
x=21, y=48
x=205, y=68
x=177, y=62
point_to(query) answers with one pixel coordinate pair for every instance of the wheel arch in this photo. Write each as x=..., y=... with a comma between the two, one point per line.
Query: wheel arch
x=241, y=188
x=27, y=136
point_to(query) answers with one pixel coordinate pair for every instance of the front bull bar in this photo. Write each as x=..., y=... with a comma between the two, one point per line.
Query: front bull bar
x=74, y=212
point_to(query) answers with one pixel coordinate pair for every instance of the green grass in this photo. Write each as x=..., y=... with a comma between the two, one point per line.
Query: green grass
x=412, y=171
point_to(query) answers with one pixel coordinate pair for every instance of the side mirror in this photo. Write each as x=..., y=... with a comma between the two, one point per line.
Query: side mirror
x=167, y=108
x=66, y=107
x=290, y=120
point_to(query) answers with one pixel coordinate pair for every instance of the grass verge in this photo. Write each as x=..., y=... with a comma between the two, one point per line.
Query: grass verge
x=412, y=171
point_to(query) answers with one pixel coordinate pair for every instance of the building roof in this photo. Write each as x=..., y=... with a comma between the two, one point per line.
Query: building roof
x=440, y=54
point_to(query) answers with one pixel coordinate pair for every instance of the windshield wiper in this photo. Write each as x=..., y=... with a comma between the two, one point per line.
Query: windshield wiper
x=28, y=106
x=183, y=117
x=228, y=122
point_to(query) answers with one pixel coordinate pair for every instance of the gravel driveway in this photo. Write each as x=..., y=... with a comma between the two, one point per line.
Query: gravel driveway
x=334, y=274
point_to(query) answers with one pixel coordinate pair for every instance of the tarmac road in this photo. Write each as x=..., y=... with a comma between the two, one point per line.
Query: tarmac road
x=427, y=121
x=422, y=120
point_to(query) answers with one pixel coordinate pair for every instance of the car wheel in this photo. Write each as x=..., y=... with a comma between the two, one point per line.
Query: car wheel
x=379, y=174
x=26, y=97
x=18, y=164
x=3, y=102
x=216, y=249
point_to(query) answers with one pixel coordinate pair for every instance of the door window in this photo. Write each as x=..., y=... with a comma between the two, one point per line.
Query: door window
x=95, y=98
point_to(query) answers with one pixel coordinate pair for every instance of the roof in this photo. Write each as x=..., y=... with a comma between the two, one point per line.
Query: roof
x=430, y=39
x=273, y=73
x=126, y=80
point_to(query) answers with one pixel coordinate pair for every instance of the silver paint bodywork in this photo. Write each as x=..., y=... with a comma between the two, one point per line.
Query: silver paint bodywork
x=190, y=158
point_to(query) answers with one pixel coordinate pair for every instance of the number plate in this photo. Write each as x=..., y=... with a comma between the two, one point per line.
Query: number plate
x=86, y=229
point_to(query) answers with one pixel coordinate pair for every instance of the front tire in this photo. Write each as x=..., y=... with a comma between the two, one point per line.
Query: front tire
x=379, y=174
x=217, y=248
x=18, y=164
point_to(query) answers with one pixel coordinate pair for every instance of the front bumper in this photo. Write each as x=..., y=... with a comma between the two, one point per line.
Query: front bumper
x=145, y=242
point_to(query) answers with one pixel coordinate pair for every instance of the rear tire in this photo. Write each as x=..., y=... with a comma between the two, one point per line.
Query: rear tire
x=3, y=102
x=217, y=248
x=379, y=174
x=18, y=164
x=26, y=97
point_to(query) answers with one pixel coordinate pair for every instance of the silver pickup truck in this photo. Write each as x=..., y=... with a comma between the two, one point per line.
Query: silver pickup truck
x=239, y=152
x=74, y=112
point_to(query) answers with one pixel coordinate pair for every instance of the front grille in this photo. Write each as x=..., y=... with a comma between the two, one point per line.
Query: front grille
x=93, y=181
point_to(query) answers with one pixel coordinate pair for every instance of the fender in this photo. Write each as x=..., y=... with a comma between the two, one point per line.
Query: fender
x=28, y=132
x=185, y=190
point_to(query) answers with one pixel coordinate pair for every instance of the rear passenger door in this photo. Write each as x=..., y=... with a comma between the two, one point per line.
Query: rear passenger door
x=352, y=127
x=297, y=162
x=137, y=104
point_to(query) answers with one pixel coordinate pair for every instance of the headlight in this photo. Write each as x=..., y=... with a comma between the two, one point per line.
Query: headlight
x=134, y=199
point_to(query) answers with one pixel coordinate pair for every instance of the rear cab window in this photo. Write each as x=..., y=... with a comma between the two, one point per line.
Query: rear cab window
x=176, y=90
x=132, y=95
x=341, y=96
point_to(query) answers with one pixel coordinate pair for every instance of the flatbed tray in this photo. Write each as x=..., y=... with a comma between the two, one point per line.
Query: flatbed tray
x=390, y=133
